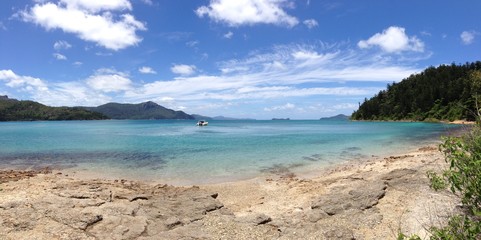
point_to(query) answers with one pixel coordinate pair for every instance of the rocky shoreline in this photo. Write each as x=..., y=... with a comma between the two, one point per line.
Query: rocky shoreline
x=374, y=199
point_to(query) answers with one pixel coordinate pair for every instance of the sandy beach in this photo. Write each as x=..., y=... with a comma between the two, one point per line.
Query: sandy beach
x=372, y=199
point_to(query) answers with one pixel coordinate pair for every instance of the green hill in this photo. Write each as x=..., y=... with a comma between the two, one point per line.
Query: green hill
x=339, y=117
x=14, y=110
x=447, y=92
x=146, y=110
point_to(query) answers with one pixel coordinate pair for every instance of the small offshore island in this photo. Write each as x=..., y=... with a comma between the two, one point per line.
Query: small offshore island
x=379, y=197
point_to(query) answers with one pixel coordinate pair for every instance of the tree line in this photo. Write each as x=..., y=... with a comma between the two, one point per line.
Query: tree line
x=13, y=110
x=447, y=92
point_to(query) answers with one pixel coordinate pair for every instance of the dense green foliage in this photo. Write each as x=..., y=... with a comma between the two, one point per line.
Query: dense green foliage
x=13, y=110
x=464, y=174
x=445, y=93
x=146, y=110
x=463, y=177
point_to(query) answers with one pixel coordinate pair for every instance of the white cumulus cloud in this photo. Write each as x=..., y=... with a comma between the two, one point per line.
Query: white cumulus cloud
x=184, y=70
x=57, y=94
x=107, y=80
x=147, y=70
x=97, y=6
x=467, y=37
x=248, y=12
x=89, y=21
x=23, y=83
x=393, y=40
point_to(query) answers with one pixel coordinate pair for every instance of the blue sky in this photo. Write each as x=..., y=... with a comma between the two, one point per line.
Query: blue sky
x=245, y=58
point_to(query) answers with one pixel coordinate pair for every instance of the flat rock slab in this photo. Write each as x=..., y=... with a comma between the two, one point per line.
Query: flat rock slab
x=359, y=196
x=103, y=209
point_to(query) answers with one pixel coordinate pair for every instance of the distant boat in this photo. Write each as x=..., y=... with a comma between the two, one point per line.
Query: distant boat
x=202, y=123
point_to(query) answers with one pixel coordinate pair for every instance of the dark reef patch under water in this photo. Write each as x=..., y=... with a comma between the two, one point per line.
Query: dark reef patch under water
x=63, y=160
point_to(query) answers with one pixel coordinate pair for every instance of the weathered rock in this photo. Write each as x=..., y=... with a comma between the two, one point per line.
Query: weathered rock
x=362, y=196
x=173, y=221
x=257, y=219
x=398, y=173
x=403, y=178
x=340, y=233
x=315, y=215
x=75, y=218
x=367, y=196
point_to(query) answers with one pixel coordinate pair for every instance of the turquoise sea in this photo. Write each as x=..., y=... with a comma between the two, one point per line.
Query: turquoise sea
x=177, y=151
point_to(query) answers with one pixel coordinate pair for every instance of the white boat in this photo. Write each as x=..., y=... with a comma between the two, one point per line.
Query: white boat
x=202, y=123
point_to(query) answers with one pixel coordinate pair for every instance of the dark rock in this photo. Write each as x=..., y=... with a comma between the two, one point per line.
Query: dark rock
x=257, y=219
x=139, y=197
x=172, y=222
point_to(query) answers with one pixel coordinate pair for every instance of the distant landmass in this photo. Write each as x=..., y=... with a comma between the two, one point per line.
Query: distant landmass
x=15, y=110
x=281, y=119
x=145, y=110
x=230, y=118
x=337, y=117
x=201, y=117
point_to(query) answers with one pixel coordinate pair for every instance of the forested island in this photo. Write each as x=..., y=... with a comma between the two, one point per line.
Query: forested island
x=447, y=92
x=15, y=110
x=145, y=110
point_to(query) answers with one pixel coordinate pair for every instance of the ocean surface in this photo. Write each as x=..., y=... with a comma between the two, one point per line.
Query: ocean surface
x=177, y=151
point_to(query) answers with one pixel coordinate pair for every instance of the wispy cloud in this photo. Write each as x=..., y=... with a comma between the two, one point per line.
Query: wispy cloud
x=300, y=71
x=311, y=23
x=249, y=12
x=229, y=35
x=77, y=63
x=59, y=56
x=260, y=81
x=148, y=2
x=287, y=106
x=59, y=45
x=2, y=26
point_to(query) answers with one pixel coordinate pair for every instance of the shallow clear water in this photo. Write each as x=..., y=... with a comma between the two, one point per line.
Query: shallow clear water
x=179, y=151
